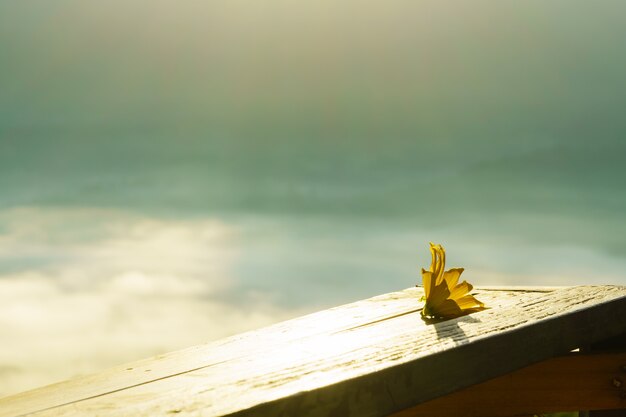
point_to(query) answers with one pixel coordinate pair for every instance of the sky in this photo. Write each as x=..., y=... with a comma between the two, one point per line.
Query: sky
x=176, y=172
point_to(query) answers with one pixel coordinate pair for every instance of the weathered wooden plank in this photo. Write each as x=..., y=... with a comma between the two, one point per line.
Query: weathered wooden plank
x=614, y=344
x=608, y=413
x=572, y=382
x=521, y=288
x=228, y=349
x=369, y=364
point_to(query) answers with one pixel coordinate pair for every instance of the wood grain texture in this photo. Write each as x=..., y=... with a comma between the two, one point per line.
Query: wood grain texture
x=369, y=358
x=572, y=382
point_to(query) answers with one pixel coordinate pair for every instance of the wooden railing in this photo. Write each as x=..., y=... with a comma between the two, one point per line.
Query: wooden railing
x=376, y=357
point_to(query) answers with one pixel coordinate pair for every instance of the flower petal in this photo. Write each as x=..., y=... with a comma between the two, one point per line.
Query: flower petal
x=438, y=295
x=468, y=302
x=452, y=277
x=427, y=282
x=438, y=262
x=460, y=290
x=447, y=309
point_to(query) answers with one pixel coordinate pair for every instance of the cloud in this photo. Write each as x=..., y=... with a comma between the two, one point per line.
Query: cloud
x=114, y=287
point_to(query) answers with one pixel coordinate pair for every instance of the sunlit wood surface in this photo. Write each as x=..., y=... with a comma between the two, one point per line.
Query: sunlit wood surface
x=370, y=358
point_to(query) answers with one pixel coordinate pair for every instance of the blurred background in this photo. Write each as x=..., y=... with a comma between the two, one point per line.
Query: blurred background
x=176, y=172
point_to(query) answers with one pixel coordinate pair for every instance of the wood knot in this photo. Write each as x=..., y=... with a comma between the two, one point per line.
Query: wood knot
x=617, y=382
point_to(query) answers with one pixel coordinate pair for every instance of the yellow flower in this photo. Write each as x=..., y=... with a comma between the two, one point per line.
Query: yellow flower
x=445, y=297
